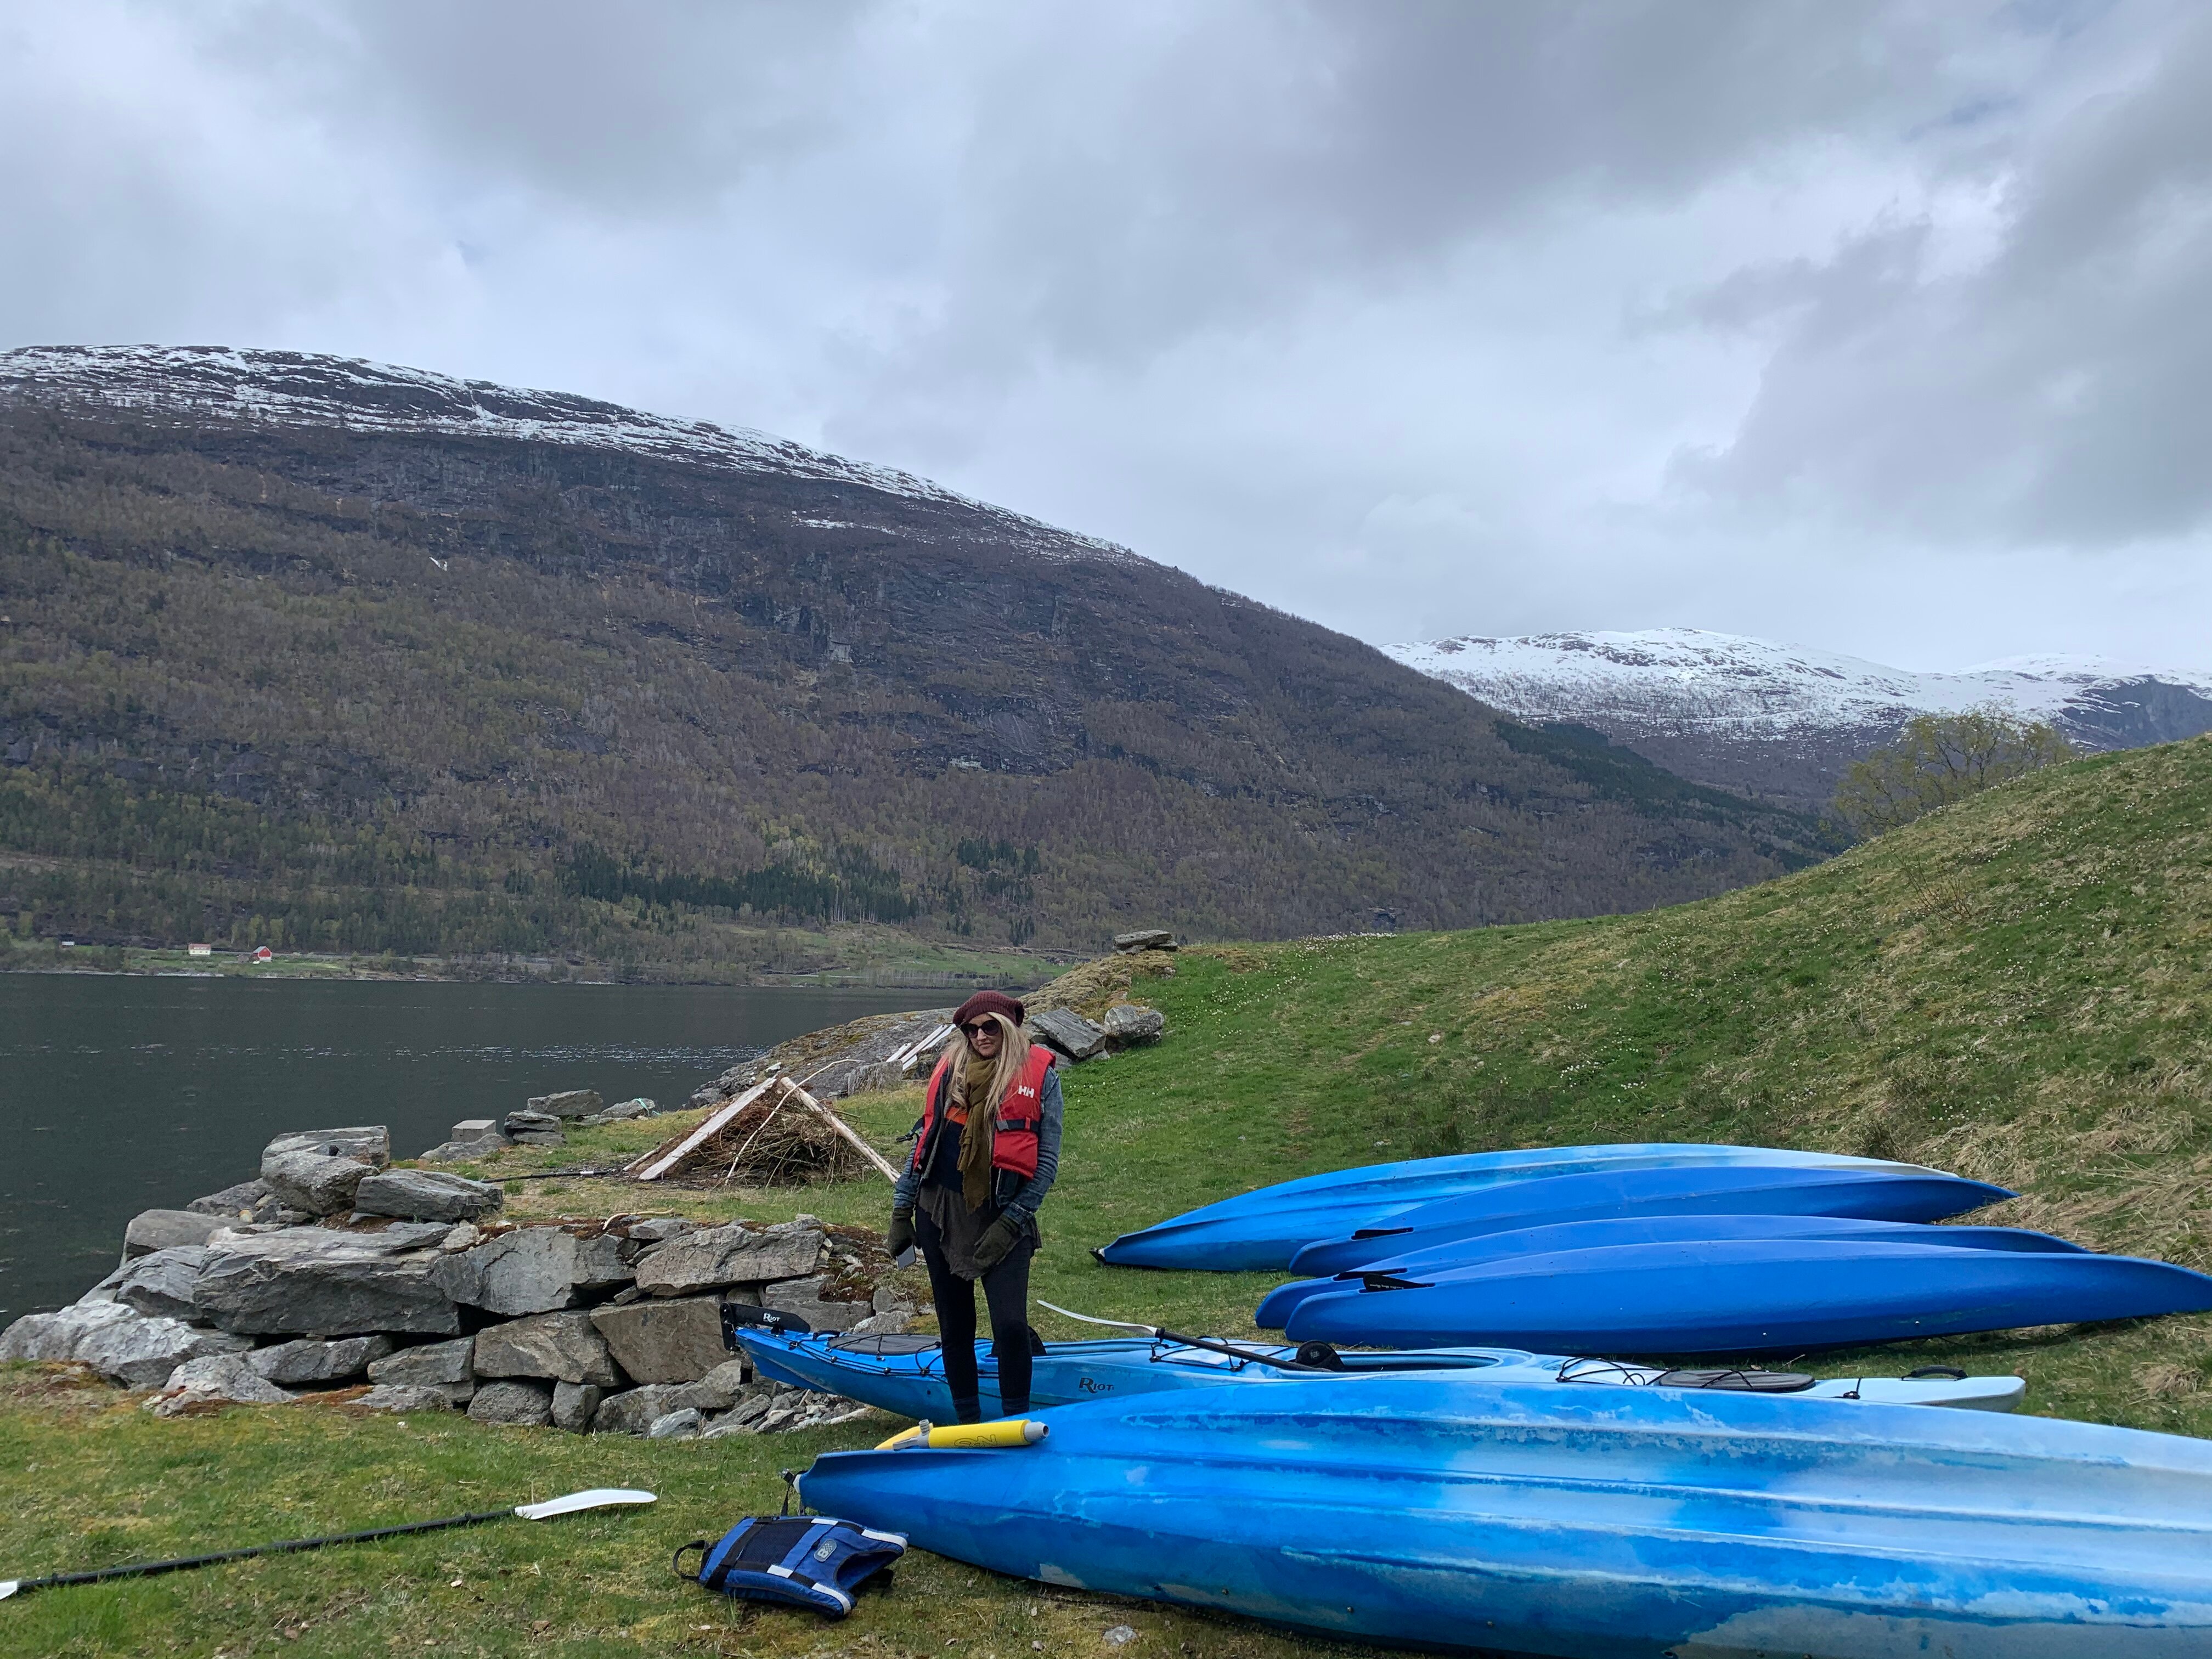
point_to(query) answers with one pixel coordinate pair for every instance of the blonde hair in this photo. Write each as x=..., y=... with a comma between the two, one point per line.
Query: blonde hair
x=1013, y=1054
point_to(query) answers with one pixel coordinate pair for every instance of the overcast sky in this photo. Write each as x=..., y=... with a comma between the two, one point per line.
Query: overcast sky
x=1884, y=328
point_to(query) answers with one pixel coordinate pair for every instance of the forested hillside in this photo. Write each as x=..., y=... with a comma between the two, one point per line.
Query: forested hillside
x=305, y=652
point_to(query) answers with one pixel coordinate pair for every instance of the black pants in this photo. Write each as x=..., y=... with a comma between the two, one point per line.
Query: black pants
x=1006, y=1291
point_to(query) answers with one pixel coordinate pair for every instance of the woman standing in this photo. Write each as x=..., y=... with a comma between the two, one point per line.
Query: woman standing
x=984, y=1155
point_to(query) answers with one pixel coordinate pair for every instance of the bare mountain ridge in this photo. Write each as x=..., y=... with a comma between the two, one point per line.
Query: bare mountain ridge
x=383, y=655
x=1782, y=722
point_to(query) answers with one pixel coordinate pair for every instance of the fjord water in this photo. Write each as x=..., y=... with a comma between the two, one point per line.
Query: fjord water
x=121, y=1094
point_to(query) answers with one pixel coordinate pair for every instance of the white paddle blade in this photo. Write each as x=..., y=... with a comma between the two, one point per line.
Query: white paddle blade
x=8, y=1588
x=1088, y=1319
x=599, y=1498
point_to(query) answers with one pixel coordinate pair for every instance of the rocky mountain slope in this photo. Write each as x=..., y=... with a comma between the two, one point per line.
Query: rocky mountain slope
x=1783, y=722
x=319, y=651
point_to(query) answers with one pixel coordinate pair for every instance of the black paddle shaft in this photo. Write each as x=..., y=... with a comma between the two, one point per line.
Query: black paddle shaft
x=146, y=1569
x=1217, y=1346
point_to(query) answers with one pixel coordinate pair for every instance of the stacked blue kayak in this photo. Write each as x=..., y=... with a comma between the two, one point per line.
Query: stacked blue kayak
x=1651, y=1248
x=1264, y=1229
x=1530, y=1517
x=906, y=1374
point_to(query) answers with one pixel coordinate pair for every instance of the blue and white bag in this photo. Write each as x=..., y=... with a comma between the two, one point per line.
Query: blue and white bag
x=804, y=1560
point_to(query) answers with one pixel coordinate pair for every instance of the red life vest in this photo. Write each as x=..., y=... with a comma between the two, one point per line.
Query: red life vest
x=1014, y=1130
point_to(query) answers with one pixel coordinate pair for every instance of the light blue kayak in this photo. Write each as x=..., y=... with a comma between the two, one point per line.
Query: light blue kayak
x=1900, y=1194
x=1263, y=1228
x=906, y=1374
x=1629, y=1524
x=1745, y=1296
x=1485, y=1248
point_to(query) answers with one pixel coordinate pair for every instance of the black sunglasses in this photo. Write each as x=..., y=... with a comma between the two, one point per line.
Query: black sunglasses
x=980, y=1027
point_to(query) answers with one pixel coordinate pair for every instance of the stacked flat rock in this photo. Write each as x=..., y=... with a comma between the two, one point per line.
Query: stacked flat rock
x=1144, y=939
x=425, y=1195
x=568, y=1102
x=411, y=1285
x=1067, y=1030
x=530, y=1129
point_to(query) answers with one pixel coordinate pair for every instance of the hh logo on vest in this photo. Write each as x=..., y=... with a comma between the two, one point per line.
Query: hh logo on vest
x=1013, y=1132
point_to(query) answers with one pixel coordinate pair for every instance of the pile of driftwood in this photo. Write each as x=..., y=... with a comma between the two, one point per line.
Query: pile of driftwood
x=774, y=1135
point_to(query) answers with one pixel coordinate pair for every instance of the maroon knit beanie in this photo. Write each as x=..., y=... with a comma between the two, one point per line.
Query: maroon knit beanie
x=988, y=1002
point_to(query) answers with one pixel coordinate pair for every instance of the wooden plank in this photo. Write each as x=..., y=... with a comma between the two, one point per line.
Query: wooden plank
x=845, y=1129
x=657, y=1163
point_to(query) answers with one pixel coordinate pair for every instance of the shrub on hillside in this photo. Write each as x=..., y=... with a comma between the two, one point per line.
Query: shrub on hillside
x=1941, y=758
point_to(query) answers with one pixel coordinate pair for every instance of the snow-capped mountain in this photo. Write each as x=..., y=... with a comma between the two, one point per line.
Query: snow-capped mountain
x=1784, y=721
x=351, y=394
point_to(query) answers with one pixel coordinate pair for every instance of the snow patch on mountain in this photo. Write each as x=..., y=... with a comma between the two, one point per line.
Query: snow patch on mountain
x=1685, y=681
x=351, y=394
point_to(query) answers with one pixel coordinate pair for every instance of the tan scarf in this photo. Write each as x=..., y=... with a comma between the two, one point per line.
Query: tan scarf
x=973, y=1083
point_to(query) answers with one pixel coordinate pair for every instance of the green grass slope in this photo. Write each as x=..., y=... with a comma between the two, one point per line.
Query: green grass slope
x=2017, y=988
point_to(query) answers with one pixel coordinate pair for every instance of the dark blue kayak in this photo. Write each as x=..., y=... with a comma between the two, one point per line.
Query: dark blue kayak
x=1614, y=1523
x=1869, y=1194
x=1745, y=1296
x=1264, y=1227
x=1651, y=1229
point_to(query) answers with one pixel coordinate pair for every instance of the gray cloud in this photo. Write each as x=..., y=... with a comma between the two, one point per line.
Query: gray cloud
x=1416, y=318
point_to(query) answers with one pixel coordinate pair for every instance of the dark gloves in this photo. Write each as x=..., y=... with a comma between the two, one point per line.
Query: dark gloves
x=900, y=1239
x=1000, y=1237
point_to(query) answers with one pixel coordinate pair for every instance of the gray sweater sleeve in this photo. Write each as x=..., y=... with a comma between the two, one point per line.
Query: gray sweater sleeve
x=1049, y=1107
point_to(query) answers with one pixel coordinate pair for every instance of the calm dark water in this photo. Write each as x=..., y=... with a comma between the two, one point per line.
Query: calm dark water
x=119, y=1094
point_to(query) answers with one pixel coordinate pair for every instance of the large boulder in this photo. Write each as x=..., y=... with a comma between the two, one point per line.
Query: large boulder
x=560, y=1347
x=319, y=1182
x=403, y=1397
x=568, y=1102
x=306, y=1164
x=312, y=1282
x=634, y=1411
x=802, y=1296
x=160, y=1285
x=1067, y=1031
x=58, y=1335
x=425, y=1195
x=141, y=1353
x=534, y=1270
x=1127, y=1025
x=369, y=1143
x=670, y=1341
x=214, y=1379
x=735, y=1255
x=296, y=1364
x=156, y=1229
x=525, y=1405
x=246, y=1201
x=573, y=1404
x=642, y=1106
x=448, y=1367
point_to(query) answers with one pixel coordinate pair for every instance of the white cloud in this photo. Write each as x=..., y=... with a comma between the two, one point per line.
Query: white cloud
x=1875, y=327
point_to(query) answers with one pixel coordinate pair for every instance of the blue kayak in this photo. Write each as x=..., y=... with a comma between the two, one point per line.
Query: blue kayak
x=1650, y=1229
x=1264, y=1227
x=1900, y=1194
x=1746, y=1295
x=1585, y=1523
x=906, y=1374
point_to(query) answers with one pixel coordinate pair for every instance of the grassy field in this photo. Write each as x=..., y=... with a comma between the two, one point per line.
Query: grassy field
x=2017, y=988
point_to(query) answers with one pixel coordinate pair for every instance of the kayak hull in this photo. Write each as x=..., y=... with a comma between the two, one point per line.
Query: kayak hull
x=1748, y=1296
x=1263, y=1228
x=1276, y=1307
x=912, y=1384
x=1536, y=1519
x=1920, y=1195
